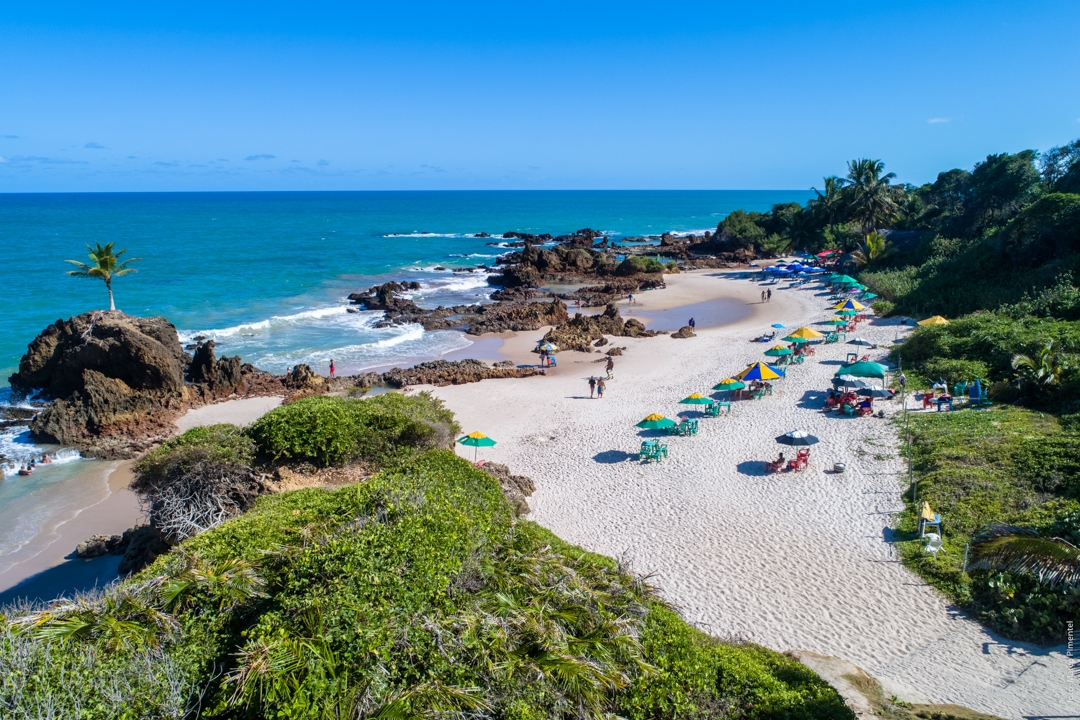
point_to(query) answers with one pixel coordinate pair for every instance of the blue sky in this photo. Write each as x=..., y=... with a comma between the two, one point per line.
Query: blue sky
x=747, y=95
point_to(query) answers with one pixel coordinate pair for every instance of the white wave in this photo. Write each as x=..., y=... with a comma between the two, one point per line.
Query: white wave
x=332, y=312
x=18, y=450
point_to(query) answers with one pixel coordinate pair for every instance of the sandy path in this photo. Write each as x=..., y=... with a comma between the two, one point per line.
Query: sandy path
x=795, y=561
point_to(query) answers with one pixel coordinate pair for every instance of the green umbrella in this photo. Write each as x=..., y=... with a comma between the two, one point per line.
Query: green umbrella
x=869, y=296
x=729, y=384
x=836, y=321
x=793, y=339
x=778, y=351
x=695, y=399
x=844, y=280
x=476, y=440
x=864, y=369
x=847, y=313
x=656, y=422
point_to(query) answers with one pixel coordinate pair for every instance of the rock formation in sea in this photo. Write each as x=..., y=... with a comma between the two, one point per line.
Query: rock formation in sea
x=117, y=382
x=582, y=331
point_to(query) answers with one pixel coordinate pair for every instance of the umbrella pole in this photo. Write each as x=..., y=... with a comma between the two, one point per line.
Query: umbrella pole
x=475, y=450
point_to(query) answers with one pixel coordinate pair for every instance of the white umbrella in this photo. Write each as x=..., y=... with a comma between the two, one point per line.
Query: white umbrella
x=849, y=381
x=859, y=341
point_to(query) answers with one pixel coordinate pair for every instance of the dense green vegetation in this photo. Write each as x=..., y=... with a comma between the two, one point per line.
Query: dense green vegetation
x=416, y=593
x=996, y=465
x=379, y=431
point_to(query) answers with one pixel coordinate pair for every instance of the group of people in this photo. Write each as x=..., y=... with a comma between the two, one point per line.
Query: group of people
x=547, y=360
x=28, y=469
x=597, y=386
x=837, y=399
x=766, y=295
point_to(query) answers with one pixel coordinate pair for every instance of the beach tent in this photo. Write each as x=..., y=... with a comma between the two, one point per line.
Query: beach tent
x=476, y=440
x=936, y=320
x=656, y=422
x=865, y=369
x=695, y=399
x=761, y=371
x=849, y=304
x=729, y=384
x=806, y=334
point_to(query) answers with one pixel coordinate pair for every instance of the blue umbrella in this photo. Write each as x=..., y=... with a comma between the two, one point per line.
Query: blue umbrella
x=778, y=326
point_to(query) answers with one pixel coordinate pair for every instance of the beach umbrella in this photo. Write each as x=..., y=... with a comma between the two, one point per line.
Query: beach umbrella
x=797, y=438
x=796, y=340
x=549, y=347
x=778, y=326
x=695, y=399
x=806, y=333
x=476, y=440
x=874, y=392
x=847, y=313
x=836, y=321
x=848, y=381
x=869, y=296
x=760, y=371
x=849, y=304
x=859, y=341
x=826, y=253
x=864, y=369
x=815, y=270
x=936, y=320
x=656, y=422
x=778, y=350
x=729, y=384
x=855, y=288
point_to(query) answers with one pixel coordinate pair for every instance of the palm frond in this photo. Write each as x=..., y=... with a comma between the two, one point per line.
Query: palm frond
x=1012, y=549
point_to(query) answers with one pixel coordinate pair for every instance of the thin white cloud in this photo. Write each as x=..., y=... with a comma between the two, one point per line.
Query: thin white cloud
x=264, y=156
x=93, y=146
x=935, y=121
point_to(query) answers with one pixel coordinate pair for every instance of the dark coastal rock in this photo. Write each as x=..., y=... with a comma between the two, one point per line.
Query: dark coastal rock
x=581, y=331
x=515, y=487
x=222, y=376
x=517, y=276
x=142, y=353
x=684, y=332
x=615, y=351
x=481, y=235
x=143, y=545
x=384, y=297
x=98, y=545
x=528, y=237
x=445, y=372
x=517, y=317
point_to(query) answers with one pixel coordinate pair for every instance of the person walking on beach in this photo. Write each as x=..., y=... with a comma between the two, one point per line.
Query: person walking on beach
x=768, y=295
x=592, y=386
x=333, y=369
x=762, y=296
x=692, y=324
x=610, y=367
x=600, y=387
x=630, y=298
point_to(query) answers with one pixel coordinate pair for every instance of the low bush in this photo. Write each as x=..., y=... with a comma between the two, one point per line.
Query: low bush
x=636, y=264
x=380, y=431
x=954, y=371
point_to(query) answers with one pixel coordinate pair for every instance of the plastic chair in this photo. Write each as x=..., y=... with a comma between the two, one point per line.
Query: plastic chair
x=933, y=544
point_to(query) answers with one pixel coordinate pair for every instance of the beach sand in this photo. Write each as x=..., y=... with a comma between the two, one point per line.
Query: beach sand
x=792, y=561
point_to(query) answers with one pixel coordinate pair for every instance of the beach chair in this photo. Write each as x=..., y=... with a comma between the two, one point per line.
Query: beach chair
x=933, y=544
x=757, y=394
x=848, y=410
x=927, y=401
x=864, y=411
x=647, y=450
x=851, y=357
x=768, y=388
x=832, y=338
x=799, y=359
x=943, y=402
x=809, y=350
x=712, y=410
x=925, y=526
x=801, y=461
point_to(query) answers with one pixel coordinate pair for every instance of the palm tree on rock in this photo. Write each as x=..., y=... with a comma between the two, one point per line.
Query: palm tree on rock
x=105, y=265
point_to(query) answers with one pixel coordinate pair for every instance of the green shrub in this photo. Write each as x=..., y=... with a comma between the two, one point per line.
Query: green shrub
x=331, y=430
x=954, y=371
x=882, y=308
x=636, y=264
x=224, y=444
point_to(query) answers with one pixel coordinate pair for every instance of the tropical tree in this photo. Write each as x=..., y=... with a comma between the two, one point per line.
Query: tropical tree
x=1018, y=550
x=105, y=265
x=1042, y=372
x=874, y=250
x=872, y=197
x=829, y=205
x=799, y=226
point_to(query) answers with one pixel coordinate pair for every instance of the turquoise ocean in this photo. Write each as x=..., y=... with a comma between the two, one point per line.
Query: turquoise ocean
x=266, y=274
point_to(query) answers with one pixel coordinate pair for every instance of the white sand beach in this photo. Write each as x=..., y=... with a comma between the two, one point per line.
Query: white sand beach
x=791, y=561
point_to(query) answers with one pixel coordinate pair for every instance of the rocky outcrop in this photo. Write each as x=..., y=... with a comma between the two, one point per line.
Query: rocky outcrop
x=517, y=276
x=117, y=382
x=515, y=487
x=581, y=331
x=384, y=297
x=684, y=332
x=139, y=545
x=458, y=372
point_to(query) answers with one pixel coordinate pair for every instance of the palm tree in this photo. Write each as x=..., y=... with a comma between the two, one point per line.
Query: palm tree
x=830, y=204
x=875, y=249
x=873, y=198
x=1017, y=550
x=106, y=265
x=799, y=226
x=1042, y=372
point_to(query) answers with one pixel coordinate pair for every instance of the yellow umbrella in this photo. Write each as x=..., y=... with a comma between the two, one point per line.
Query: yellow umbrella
x=927, y=514
x=806, y=333
x=760, y=371
x=936, y=320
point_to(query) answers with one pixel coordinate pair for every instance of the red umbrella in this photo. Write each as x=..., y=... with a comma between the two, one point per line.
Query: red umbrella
x=826, y=253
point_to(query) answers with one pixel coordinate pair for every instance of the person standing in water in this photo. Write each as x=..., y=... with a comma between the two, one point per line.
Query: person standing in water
x=592, y=386
x=333, y=369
